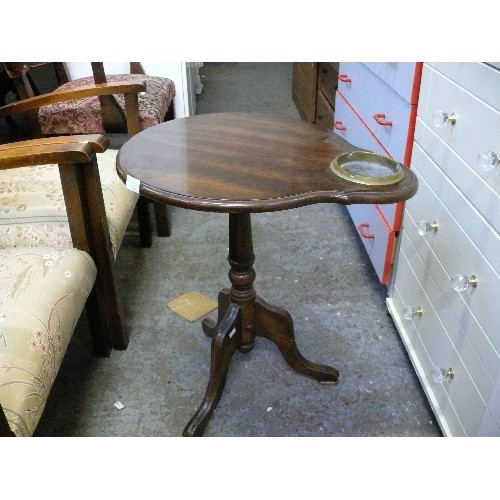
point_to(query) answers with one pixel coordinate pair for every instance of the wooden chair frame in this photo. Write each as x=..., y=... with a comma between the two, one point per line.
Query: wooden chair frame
x=76, y=157
x=88, y=225
x=113, y=118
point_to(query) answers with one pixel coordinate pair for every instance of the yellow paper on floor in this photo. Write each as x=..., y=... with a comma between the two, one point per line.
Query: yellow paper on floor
x=192, y=305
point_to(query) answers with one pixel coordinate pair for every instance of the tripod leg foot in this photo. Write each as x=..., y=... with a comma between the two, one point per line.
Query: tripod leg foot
x=276, y=325
x=224, y=344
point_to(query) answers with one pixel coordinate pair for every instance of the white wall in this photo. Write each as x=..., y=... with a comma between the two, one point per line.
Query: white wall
x=179, y=72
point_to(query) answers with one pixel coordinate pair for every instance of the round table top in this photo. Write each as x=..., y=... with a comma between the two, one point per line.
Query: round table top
x=245, y=162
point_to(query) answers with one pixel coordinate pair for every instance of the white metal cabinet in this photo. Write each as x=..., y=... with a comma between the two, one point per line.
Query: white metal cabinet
x=375, y=109
x=458, y=119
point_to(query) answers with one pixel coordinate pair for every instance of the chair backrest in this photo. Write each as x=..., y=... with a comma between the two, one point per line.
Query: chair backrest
x=113, y=117
x=19, y=73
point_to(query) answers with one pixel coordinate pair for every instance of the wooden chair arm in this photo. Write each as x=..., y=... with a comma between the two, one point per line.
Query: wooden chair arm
x=61, y=150
x=100, y=89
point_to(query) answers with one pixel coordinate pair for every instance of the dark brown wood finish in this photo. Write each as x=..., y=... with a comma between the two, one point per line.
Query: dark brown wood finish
x=242, y=163
x=245, y=162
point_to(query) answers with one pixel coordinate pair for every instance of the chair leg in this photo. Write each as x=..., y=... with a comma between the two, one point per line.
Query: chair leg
x=5, y=430
x=162, y=219
x=98, y=325
x=144, y=220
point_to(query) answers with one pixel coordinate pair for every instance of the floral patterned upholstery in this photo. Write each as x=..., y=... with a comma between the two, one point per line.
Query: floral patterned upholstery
x=33, y=213
x=42, y=294
x=84, y=116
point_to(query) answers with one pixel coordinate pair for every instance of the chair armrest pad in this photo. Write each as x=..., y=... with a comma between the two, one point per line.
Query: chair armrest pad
x=64, y=149
x=125, y=87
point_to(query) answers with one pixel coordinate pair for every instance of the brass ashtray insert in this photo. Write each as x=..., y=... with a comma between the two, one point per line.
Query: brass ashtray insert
x=367, y=168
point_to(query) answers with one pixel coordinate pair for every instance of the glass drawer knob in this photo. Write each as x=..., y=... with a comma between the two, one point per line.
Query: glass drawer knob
x=411, y=312
x=441, y=375
x=460, y=282
x=487, y=161
x=424, y=227
x=441, y=118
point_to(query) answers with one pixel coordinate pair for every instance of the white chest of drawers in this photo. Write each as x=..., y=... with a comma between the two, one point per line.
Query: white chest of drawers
x=450, y=228
x=375, y=109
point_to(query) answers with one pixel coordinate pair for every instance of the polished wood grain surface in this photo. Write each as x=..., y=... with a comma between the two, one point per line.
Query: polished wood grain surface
x=245, y=162
x=64, y=149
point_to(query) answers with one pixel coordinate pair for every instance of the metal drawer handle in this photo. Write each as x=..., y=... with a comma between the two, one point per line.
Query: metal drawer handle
x=380, y=119
x=362, y=232
x=344, y=78
x=338, y=125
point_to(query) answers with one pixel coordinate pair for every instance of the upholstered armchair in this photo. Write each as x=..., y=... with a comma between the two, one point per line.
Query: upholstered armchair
x=98, y=105
x=35, y=206
x=44, y=288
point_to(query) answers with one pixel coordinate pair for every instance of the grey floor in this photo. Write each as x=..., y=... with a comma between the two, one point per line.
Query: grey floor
x=308, y=260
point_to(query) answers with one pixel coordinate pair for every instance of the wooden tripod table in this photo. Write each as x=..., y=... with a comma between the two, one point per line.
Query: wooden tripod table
x=243, y=163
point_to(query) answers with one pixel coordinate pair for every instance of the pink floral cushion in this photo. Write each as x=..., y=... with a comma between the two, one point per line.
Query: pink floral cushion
x=42, y=294
x=83, y=116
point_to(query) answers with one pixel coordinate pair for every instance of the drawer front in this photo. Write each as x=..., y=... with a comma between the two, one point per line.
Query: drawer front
x=449, y=252
x=494, y=402
x=479, y=79
x=377, y=237
x=324, y=112
x=348, y=126
x=477, y=124
x=385, y=112
x=489, y=427
x=458, y=399
x=407, y=292
x=328, y=81
x=476, y=352
x=483, y=191
x=437, y=199
x=403, y=77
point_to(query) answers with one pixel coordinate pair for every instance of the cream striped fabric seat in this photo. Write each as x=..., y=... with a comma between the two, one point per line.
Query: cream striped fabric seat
x=33, y=212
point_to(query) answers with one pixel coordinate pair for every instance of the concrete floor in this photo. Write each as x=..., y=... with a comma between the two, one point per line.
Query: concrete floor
x=308, y=260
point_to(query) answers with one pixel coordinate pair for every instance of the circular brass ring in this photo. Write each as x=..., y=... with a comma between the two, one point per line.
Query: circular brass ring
x=364, y=167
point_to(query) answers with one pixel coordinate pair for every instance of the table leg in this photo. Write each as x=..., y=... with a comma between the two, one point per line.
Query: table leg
x=209, y=326
x=241, y=317
x=224, y=344
x=276, y=325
